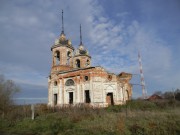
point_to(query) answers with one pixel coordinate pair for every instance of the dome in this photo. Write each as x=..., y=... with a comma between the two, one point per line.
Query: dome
x=62, y=37
x=81, y=50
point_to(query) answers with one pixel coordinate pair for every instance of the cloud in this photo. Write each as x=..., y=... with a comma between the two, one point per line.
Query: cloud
x=30, y=28
x=123, y=14
x=28, y=31
x=116, y=46
x=24, y=75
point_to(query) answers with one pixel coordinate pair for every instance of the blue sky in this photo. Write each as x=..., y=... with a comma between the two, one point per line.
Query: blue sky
x=113, y=32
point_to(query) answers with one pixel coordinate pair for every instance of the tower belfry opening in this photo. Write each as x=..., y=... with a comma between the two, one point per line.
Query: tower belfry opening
x=57, y=55
x=78, y=63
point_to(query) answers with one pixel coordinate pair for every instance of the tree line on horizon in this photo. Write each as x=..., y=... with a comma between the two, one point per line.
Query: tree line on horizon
x=170, y=94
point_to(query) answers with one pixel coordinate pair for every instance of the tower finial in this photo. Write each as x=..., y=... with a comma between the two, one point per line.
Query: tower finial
x=80, y=36
x=62, y=24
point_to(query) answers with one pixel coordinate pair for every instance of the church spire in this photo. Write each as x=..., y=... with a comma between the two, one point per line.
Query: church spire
x=80, y=36
x=62, y=24
x=62, y=36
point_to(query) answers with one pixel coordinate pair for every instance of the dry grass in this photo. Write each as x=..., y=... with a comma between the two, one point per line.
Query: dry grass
x=82, y=120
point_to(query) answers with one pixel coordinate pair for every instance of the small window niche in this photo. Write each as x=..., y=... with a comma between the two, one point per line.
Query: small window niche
x=109, y=77
x=86, y=78
x=68, y=57
x=87, y=63
x=55, y=83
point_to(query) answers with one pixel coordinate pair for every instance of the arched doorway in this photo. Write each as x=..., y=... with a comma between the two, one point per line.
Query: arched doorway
x=109, y=98
x=70, y=93
x=109, y=95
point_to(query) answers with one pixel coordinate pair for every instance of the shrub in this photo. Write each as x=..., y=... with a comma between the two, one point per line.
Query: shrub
x=141, y=105
x=7, y=90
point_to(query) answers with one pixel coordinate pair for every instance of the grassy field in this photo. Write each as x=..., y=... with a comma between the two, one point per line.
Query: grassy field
x=135, y=118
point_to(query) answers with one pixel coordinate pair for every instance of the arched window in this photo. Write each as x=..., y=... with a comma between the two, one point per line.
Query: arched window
x=55, y=83
x=68, y=57
x=109, y=77
x=69, y=82
x=57, y=55
x=126, y=95
x=78, y=63
x=87, y=63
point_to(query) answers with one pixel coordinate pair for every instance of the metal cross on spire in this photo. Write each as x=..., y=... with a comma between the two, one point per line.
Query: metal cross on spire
x=80, y=36
x=62, y=24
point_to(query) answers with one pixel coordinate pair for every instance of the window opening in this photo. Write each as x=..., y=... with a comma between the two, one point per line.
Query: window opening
x=55, y=99
x=86, y=78
x=57, y=55
x=87, y=63
x=109, y=77
x=78, y=63
x=69, y=82
x=55, y=83
x=68, y=57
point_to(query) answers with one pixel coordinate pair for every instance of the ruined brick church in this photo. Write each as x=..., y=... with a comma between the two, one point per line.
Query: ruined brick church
x=74, y=81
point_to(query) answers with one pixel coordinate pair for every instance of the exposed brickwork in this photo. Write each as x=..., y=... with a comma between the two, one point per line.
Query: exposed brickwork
x=83, y=61
x=58, y=68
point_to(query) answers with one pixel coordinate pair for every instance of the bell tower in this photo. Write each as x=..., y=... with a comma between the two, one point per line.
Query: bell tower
x=62, y=53
x=81, y=59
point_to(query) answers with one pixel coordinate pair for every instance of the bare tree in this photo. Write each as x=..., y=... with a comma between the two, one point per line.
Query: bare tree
x=7, y=89
x=159, y=93
x=177, y=94
x=168, y=95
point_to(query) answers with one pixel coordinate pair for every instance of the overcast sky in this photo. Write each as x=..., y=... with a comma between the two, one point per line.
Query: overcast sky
x=113, y=32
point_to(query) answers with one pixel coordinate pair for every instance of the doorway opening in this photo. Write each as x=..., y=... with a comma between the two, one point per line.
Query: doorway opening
x=87, y=96
x=55, y=99
x=70, y=97
x=109, y=99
